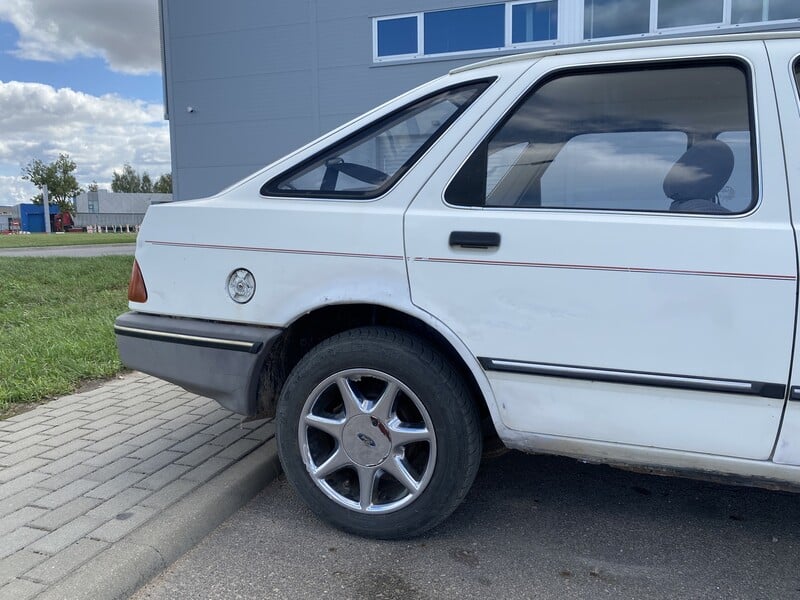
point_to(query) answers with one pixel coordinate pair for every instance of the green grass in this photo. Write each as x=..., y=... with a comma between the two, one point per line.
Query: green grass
x=64, y=239
x=56, y=323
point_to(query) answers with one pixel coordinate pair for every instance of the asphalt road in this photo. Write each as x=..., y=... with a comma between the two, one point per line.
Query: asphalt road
x=74, y=251
x=532, y=527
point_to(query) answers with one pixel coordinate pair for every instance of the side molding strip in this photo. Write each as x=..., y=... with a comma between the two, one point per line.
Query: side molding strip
x=686, y=382
x=191, y=340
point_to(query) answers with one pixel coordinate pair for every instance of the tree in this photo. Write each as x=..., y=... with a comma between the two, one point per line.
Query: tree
x=128, y=181
x=93, y=187
x=131, y=182
x=59, y=179
x=163, y=184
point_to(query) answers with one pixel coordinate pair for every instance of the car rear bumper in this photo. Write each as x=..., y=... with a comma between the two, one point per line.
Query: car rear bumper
x=217, y=360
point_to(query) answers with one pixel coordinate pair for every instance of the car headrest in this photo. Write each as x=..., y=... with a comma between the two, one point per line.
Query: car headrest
x=701, y=172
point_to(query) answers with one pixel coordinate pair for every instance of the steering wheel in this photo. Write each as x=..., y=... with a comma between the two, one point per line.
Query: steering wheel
x=336, y=165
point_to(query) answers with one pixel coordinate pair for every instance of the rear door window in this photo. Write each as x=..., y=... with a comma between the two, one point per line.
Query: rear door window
x=668, y=137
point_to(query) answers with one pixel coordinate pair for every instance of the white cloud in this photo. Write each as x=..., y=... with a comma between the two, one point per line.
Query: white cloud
x=99, y=133
x=125, y=33
x=13, y=190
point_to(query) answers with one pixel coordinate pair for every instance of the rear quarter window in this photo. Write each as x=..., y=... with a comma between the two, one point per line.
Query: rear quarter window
x=369, y=162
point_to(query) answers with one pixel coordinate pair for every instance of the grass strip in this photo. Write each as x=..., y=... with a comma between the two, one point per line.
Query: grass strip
x=36, y=240
x=56, y=323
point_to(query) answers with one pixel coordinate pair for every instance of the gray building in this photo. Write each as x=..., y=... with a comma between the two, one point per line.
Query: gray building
x=108, y=210
x=248, y=80
x=7, y=214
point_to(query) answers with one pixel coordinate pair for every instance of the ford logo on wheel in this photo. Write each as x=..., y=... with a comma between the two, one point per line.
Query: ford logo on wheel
x=368, y=441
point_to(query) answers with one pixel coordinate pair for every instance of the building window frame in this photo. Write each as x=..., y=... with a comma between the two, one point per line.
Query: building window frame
x=507, y=36
x=765, y=12
x=654, y=30
x=510, y=25
x=569, y=29
x=420, y=32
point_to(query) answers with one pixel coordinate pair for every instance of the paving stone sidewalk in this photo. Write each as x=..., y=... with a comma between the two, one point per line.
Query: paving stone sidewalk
x=79, y=473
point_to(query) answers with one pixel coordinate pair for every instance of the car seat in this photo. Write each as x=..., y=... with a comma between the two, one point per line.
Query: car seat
x=697, y=177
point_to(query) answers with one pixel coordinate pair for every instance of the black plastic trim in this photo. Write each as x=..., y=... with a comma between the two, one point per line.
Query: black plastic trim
x=794, y=394
x=684, y=382
x=218, y=360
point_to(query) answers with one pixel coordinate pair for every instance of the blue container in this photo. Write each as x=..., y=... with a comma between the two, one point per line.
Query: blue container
x=31, y=217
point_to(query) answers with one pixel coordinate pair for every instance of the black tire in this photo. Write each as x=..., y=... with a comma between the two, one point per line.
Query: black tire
x=434, y=403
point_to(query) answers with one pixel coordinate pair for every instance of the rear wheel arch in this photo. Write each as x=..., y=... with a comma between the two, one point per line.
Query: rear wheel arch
x=312, y=328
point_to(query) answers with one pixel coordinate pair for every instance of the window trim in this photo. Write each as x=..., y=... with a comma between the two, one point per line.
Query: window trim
x=270, y=188
x=723, y=60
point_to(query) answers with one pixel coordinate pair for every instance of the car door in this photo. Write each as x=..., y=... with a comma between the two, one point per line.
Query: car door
x=613, y=244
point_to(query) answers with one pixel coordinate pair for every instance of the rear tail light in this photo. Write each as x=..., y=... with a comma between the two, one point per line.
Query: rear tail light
x=137, y=292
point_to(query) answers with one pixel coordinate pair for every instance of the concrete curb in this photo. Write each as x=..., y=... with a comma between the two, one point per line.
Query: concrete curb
x=133, y=561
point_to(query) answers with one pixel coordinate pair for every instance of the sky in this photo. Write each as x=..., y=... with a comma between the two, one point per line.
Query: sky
x=81, y=77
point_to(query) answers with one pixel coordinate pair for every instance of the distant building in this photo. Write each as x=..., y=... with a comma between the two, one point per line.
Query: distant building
x=9, y=214
x=108, y=210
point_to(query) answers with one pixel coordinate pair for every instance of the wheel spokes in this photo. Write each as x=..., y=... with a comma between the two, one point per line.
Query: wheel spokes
x=366, y=486
x=383, y=406
x=352, y=402
x=333, y=427
x=395, y=467
x=403, y=435
x=333, y=463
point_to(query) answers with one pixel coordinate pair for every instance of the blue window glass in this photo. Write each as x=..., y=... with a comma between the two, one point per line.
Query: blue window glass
x=465, y=29
x=610, y=18
x=397, y=36
x=752, y=11
x=683, y=13
x=534, y=21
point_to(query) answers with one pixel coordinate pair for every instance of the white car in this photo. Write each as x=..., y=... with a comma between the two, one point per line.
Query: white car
x=585, y=251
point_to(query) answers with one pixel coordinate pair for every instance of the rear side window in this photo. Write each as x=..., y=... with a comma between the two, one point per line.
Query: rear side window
x=367, y=163
x=655, y=138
